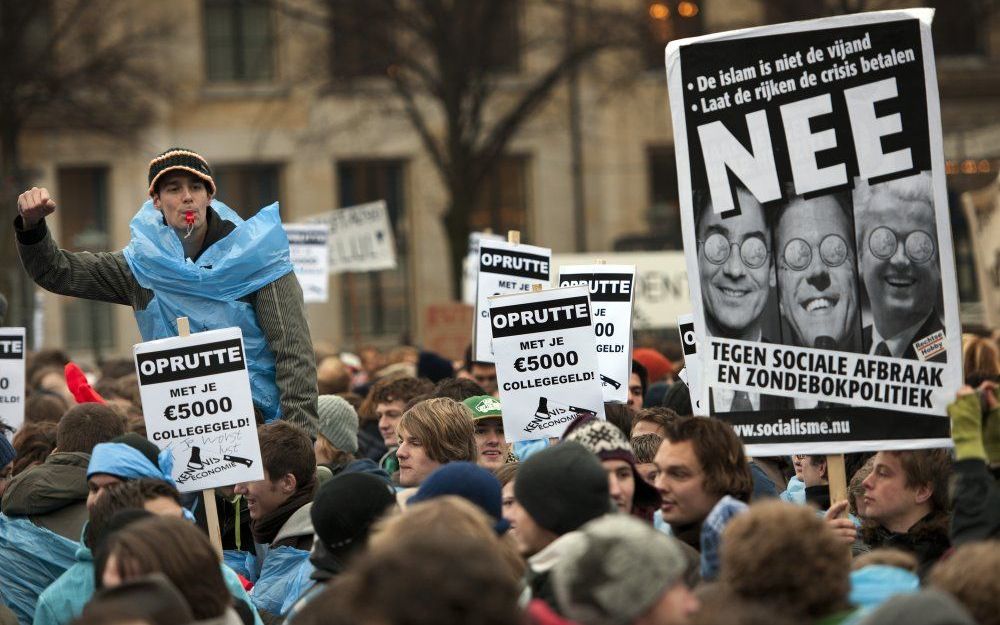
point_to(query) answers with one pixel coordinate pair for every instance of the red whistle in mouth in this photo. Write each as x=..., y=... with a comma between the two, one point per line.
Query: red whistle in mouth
x=189, y=217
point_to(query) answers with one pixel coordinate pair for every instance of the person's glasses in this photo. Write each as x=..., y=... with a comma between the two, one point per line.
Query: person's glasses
x=918, y=245
x=717, y=248
x=833, y=251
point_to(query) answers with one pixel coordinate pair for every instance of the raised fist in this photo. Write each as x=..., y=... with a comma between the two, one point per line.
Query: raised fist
x=33, y=205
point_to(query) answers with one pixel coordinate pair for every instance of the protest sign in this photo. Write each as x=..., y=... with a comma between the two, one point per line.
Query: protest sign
x=610, y=288
x=691, y=374
x=546, y=358
x=446, y=329
x=982, y=211
x=360, y=238
x=197, y=403
x=661, y=284
x=504, y=268
x=12, y=350
x=815, y=222
x=470, y=266
x=308, y=248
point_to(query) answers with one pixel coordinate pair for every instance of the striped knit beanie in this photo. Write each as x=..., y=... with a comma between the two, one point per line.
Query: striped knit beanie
x=180, y=158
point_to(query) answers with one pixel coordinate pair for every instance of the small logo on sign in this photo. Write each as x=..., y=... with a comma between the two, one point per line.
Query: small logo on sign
x=930, y=346
x=488, y=405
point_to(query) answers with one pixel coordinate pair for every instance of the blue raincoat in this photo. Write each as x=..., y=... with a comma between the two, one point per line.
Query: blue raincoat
x=64, y=600
x=208, y=291
x=285, y=576
x=33, y=557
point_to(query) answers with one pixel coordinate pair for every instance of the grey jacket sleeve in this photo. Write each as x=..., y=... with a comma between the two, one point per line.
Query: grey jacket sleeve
x=102, y=276
x=281, y=314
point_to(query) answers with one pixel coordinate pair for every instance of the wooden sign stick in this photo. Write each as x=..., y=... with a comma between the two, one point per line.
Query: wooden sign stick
x=836, y=474
x=514, y=236
x=208, y=495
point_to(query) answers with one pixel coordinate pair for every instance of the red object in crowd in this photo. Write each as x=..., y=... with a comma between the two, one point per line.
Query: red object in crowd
x=78, y=385
x=189, y=217
x=247, y=584
x=657, y=365
x=539, y=613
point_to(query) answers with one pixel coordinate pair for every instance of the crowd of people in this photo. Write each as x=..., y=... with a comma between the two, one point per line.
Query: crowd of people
x=390, y=495
x=407, y=506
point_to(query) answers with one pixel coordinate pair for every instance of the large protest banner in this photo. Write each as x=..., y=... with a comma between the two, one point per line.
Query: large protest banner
x=12, y=352
x=546, y=358
x=197, y=403
x=816, y=231
x=611, y=289
x=661, y=284
x=982, y=211
x=310, y=256
x=504, y=268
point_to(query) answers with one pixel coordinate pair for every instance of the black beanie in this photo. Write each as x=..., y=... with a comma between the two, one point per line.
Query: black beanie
x=345, y=508
x=562, y=487
x=180, y=158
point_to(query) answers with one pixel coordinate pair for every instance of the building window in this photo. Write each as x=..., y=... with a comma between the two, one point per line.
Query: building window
x=376, y=303
x=239, y=40
x=247, y=188
x=361, y=38
x=667, y=20
x=664, y=216
x=83, y=221
x=502, y=50
x=502, y=204
x=959, y=27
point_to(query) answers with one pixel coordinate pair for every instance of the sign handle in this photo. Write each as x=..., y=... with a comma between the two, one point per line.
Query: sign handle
x=836, y=474
x=514, y=236
x=208, y=495
x=600, y=261
x=535, y=288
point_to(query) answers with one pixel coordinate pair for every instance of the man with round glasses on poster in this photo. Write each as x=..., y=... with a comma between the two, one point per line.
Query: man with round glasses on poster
x=817, y=272
x=900, y=269
x=736, y=274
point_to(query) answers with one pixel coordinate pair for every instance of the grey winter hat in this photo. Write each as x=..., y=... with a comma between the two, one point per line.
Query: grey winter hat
x=338, y=422
x=617, y=572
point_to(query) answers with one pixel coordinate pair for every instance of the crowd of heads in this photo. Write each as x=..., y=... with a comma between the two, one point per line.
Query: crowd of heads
x=411, y=507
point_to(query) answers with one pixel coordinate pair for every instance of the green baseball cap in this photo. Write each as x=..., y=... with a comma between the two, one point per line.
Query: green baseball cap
x=483, y=407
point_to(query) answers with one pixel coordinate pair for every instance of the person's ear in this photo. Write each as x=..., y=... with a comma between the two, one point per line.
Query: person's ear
x=288, y=483
x=156, y=202
x=923, y=493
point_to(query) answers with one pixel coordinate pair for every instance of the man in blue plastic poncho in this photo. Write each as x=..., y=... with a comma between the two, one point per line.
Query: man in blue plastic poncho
x=190, y=255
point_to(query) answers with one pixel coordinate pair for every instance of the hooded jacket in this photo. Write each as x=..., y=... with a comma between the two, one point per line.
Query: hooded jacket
x=31, y=558
x=53, y=495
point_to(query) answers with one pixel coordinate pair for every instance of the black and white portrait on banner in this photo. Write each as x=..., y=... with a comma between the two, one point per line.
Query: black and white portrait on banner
x=815, y=218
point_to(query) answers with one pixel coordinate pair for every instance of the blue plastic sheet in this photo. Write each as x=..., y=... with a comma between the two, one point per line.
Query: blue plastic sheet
x=284, y=578
x=129, y=463
x=208, y=291
x=873, y=585
x=33, y=557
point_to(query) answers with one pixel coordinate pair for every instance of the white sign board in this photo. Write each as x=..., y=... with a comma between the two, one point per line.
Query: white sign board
x=504, y=268
x=611, y=288
x=308, y=247
x=470, y=266
x=196, y=401
x=12, y=349
x=360, y=238
x=814, y=214
x=546, y=357
x=661, y=284
x=691, y=374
